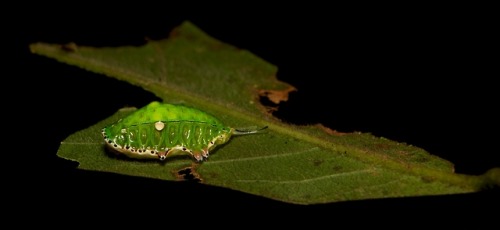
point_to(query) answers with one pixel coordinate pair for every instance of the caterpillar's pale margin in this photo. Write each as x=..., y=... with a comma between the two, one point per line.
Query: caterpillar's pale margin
x=160, y=130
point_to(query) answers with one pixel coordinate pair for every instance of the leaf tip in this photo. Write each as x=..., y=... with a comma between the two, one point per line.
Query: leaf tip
x=492, y=178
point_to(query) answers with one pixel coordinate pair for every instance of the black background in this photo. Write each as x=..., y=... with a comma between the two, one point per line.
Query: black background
x=420, y=75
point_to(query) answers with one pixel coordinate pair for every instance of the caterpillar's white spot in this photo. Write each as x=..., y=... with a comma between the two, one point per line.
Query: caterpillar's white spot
x=159, y=125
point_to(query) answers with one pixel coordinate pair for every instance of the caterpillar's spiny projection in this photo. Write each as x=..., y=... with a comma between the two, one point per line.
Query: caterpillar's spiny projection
x=160, y=130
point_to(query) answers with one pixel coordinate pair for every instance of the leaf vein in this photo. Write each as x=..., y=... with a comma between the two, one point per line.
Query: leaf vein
x=308, y=180
x=263, y=157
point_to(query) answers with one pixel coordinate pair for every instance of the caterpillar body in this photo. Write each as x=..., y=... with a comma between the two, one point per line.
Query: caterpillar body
x=161, y=130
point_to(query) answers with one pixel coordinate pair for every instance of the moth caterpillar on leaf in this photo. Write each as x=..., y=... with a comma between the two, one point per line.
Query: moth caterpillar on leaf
x=161, y=130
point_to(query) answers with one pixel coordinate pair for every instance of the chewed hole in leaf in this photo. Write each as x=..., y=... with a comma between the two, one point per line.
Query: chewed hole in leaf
x=188, y=174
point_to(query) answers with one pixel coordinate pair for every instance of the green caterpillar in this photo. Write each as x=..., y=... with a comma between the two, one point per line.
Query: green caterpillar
x=160, y=130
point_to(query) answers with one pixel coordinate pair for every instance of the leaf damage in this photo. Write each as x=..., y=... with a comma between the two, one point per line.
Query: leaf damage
x=188, y=174
x=271, y=99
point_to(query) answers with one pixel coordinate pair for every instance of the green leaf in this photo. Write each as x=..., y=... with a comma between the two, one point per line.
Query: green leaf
x=297, y=164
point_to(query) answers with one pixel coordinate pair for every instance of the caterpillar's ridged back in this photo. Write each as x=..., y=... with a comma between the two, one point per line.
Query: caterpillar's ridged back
x=156, y=111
